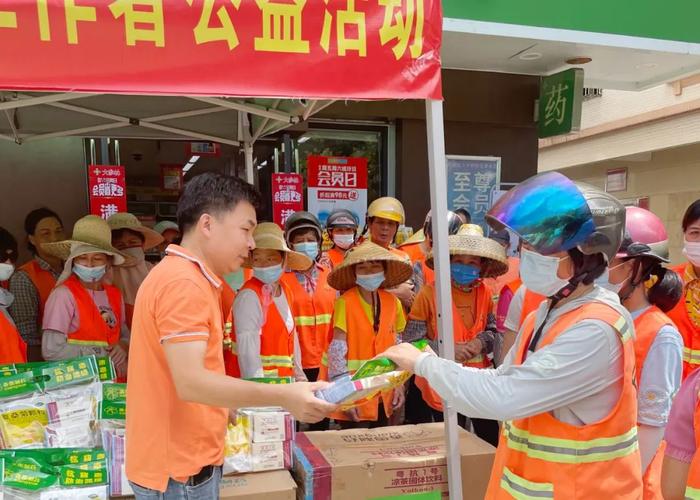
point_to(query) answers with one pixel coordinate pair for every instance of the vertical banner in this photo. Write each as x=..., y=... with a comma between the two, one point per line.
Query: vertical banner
x=473, y=183
x=337, y=182
x=287, y=196
x=171, y=177
x=107, y=190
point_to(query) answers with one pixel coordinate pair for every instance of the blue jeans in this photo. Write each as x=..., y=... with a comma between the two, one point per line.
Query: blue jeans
x=206, y=490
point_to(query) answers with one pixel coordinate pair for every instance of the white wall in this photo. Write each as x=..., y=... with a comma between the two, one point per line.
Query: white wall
x=47, y=173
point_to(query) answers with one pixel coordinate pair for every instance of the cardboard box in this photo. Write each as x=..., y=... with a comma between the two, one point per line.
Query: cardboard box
x=275, y=485
x=267, y=425
x=385, y=462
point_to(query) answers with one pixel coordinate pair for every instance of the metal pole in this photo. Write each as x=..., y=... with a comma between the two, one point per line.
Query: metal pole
x=249, y=172
x=438, y=202
x=288, y=152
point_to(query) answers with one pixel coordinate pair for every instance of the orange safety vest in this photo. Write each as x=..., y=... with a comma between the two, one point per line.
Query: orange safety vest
x=531, y=301
x=542, y=457
x=364, y=344
x=312, y=316
x=12, y=347
x=462, y=334
x=92, y=328
x=692, y=489
x=44, y=282
x=689, y=331
x=428, y=274
x=336, y=256
x=276, y=342
x=414, y=251
x=646, y=327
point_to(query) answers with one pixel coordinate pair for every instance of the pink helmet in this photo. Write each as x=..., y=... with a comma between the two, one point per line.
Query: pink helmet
x=645, y=236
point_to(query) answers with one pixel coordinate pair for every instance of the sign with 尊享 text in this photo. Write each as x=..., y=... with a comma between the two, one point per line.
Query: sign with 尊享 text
x=473, y=183
x=287, y=196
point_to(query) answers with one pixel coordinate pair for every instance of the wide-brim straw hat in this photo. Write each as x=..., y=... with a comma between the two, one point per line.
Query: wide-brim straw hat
x=396, y=269
x=269, y=236
x=470, y=240
x=417, y=237
x=128, y=221
x=90, y=233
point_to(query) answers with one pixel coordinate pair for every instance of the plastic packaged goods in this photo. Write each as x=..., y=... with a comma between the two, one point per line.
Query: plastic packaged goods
x=50, y=405
x=112, y=422
x=54, y=474
x=260, y=440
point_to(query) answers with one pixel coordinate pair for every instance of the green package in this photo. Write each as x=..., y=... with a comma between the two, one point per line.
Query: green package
x=113, y=404
x=271, y=380
x=380, y=366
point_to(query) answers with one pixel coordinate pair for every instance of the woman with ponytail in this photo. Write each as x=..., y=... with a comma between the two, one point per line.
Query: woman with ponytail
x=649, y=290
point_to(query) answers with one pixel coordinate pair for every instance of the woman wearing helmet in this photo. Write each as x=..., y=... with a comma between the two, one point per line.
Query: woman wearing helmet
x=384, y=216
x=312, y=304
x=648, y=290
x=341, y=227
x=566, y=390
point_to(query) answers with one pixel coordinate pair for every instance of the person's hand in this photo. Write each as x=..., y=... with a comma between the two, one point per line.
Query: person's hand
x=399, y=397
x=300, y=401
x=404, y=292
x=475, y=347
x=353, y=415
x=118, y=353
x=404, y=355
x=462, y=352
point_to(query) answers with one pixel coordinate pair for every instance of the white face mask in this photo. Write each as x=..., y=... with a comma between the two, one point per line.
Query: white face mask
x=603, y=281
x=344, y=241
x=6, y=271
x=539, y=273
x=692, y=251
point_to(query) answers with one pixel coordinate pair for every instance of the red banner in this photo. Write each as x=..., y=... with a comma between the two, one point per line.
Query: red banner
x=287, y=196
x=107, y=190
x=362, y=49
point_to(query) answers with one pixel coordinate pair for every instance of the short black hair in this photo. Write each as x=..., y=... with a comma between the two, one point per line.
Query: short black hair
x=8, y=246
x=212, y=193
x=464, y=213
x=32, y=220
x=691, y=215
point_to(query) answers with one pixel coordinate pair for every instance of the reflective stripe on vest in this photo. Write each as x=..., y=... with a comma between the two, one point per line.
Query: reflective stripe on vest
x=278, y=361
x=691, y=356
x=692, y=493
x=319, y=319
x=569, y=451
x=522, y=489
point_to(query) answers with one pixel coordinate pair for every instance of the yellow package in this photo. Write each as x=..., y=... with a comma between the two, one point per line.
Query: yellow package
x=23, y=426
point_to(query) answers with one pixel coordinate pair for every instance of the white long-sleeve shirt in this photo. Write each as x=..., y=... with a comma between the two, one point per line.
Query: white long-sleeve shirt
x=577, y=378
x=249, y=320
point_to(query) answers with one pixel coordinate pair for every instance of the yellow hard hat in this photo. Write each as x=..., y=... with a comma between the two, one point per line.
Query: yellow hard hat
x=387, y=208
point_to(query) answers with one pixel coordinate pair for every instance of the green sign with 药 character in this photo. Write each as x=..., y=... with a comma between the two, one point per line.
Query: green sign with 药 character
x=561, y=101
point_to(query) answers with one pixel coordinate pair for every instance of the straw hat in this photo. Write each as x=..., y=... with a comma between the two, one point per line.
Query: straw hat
x=397, y=270
x=128, y=221
x=269, y=236
x=470, y=240
x=92, y=235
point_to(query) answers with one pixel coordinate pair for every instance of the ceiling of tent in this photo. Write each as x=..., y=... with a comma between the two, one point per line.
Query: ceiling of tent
x=27, y=117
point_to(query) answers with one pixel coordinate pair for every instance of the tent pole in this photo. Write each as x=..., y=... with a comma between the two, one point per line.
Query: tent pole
x=438, y=203
x=249, y=172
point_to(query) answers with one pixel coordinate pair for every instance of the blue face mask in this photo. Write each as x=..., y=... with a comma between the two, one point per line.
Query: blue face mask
x=268, y=275
x=464, y=274
x=370, y=282
x=89, y=274
x=308, y=248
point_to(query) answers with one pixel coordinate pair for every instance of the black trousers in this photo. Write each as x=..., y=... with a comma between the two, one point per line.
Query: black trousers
x=323, y=425
x=488, y=430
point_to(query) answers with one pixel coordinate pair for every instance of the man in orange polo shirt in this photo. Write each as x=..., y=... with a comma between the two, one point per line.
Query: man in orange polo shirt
x=178, y=394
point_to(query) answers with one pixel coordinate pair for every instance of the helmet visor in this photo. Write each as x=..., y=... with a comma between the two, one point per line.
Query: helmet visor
x=547, y=211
